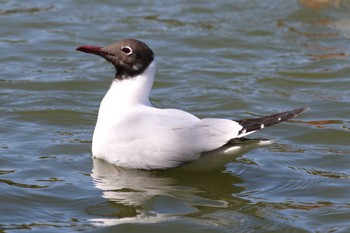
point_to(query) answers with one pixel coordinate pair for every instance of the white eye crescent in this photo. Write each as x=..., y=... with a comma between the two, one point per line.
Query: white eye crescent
x=127, y=50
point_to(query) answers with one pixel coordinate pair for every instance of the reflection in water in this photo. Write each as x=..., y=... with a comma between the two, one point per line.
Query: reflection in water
x=217, y=159
x=323, y=19
x=152, y=196
x=319, y=4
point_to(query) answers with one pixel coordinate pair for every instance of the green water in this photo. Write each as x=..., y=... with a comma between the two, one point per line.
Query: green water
x=231, y=59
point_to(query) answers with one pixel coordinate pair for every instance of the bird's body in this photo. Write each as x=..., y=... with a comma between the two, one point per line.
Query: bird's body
x=131, y=133
x=141, y=136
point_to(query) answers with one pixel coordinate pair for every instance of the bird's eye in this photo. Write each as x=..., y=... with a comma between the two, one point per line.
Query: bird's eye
x=127, y=50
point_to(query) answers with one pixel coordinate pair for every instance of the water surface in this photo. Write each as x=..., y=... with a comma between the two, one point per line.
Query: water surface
x=215, y=59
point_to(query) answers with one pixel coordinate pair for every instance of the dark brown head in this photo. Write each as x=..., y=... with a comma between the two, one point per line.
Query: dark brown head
x=130, y=57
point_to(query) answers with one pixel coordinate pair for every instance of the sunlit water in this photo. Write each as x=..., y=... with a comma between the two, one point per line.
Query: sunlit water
x=215, y=59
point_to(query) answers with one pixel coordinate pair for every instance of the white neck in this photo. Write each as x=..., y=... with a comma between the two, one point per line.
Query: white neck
x=126, y=93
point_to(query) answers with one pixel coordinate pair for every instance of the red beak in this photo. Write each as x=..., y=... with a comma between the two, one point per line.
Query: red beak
x=92, y=49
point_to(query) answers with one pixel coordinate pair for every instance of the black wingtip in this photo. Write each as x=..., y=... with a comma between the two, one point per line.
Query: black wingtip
x=254, y=124
x=300, y=110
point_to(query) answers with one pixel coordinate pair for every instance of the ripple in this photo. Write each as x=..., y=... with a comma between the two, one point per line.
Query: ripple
x=328, y=174
x=31, y=10
x=13, y=41
x=294, y=187
x=320, y=123
x=51, y=179
x=21, y=185
x=4, y=172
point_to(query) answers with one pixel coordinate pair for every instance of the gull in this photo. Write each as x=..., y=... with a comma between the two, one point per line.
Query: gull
x=133, y=134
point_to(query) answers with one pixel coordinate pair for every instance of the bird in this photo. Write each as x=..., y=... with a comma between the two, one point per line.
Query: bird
x=133, y=134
